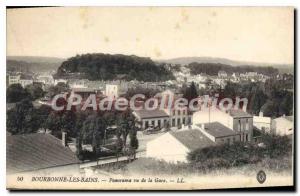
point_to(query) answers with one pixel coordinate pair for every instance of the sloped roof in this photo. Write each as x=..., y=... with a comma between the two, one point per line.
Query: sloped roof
x=217, y=129
x=144, y=114
x=239, y=113
x=35, y=151
x=192, y=139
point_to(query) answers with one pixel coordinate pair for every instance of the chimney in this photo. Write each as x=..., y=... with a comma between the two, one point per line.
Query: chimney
x=64, y=138
x=261, y=114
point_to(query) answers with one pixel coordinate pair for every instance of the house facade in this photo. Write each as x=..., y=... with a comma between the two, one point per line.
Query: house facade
x=112, y=90
x=262, y=123
x=283, y=125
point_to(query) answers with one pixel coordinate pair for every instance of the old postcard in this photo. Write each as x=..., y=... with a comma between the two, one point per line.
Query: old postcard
x=149, y=98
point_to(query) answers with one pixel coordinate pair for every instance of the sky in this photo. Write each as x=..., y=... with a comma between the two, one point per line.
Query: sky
x=252, y=34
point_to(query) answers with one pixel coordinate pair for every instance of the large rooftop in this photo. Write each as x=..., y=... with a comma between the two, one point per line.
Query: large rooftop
x=35, y=151
x=192, y=139
x=144, y=114
x=239, y=113
x=217, y=129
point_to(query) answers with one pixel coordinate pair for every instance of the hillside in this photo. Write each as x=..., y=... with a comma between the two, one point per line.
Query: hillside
x=32, y=63
x=99, y=66
x=213, y=69
x=282, y=68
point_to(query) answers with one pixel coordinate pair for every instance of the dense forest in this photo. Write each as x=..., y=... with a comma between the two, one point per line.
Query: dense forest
x=108, y=67
x=213, y=69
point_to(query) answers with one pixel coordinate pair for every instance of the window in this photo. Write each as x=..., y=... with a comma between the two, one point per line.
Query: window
x=239, y=125
x=158, y=123
x=178, y=121
x=183, y=112
x=146, y=124
x=246, y=137
x=173, y=112
x=178, y=112
x=189, y=120
x=153, y=122
x=173, y=122
x=247, y=125
x=183, y=121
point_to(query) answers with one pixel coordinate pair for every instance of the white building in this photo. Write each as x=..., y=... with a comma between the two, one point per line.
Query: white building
x=25, y=80
x=237, y=120
x=45, y=79
x=222, y=74
x=283, y=125
x=14, y=79
x=175, y=117
x=262, y=122
x=22, y=79
x=174, y=146
x=112, y=90
x=155, y=118
x=56, y=81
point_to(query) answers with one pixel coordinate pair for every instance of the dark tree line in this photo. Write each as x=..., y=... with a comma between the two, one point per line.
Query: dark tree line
x=213, y=69
x=108, y=67
x=272, y=97
x=16, y=93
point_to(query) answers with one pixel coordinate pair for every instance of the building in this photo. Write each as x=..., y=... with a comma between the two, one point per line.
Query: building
x=222, y=74
x=83, y=92
x=25, y=80
x=167, y=114
x=219, y=133
x=45, y=79
x=156, y=118
x=174, y=146
x=242, y=122
x=262, y=123
x=39, y=153
x=237, y=120
x=283, y=125
x=22, y=79
x=14, y=79
x=112, y=90
x=59, y=80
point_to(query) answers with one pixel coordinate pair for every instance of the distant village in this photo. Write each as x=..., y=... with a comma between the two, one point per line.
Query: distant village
x=166, y=134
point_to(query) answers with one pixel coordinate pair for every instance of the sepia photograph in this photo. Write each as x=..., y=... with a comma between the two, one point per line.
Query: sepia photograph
x=150, y=98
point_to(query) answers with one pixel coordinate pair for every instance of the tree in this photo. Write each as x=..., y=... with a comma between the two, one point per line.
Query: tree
x=92, y=132
x=190, y=92
x=57, y=89
x=125, y=123
x=16, y=93
x=35, y=91
x=22, y=119
x=54, y=123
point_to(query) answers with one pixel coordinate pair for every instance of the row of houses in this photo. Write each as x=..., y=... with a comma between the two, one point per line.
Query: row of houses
x=227, y=127
x=283, y=125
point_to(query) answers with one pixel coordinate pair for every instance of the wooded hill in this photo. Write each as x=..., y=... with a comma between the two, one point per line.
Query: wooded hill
x=100, y=66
